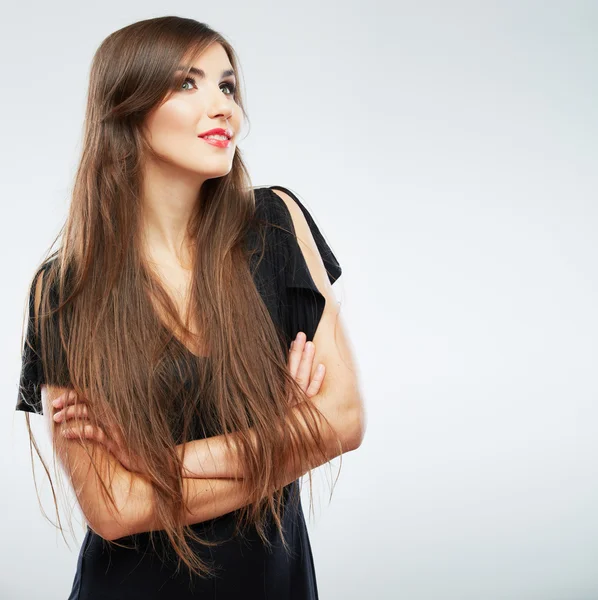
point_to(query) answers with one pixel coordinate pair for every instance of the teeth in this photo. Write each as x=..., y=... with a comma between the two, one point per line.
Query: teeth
x=215, y=137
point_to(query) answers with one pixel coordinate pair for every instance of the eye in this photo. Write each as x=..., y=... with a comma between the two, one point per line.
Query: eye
x=232, y=87
x=229, y=84
x=191, y=79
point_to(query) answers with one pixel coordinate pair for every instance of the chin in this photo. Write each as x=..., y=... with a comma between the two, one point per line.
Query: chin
x=212, y=173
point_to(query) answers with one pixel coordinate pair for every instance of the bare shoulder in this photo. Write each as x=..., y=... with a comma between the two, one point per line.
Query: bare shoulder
x=310, y=250
x=333, y=346
x=331, y=339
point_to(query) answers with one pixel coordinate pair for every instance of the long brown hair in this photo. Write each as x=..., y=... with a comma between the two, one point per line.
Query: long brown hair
x=100, y=297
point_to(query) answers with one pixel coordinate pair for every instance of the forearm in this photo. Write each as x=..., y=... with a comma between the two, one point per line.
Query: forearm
x=208, y=496
x=90, y=467
x=204, y=499
x=93, y=470
x=205, y=459
x=210, y=458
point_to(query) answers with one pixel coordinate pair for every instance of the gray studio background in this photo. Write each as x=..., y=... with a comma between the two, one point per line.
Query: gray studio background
x=448, y=151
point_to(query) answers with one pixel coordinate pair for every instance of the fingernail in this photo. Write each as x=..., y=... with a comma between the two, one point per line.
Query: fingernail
x=56, y=402
x=58, y=416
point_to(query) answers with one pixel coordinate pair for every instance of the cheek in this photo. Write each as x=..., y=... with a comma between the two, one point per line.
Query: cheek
x=174, y=121
x=237, y=115
x=238, y=120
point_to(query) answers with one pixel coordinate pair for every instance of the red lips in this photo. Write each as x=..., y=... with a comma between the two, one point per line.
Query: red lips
x=217, y=131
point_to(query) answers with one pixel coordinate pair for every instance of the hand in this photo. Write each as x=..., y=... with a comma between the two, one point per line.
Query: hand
x=300, y=363
x=107, y=435
x=301, y=358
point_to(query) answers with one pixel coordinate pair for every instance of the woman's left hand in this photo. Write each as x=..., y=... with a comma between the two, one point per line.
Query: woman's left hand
x=107, y=435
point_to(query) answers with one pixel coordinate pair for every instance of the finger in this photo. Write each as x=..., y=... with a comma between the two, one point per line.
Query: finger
x=88, y=432
x=67, y=398
x=71, y=412
x=81, y=411
x=76, y=399
x=59, y=401
x=316, y=381
x=82, y=432
x=296, y=353
x=303, y=374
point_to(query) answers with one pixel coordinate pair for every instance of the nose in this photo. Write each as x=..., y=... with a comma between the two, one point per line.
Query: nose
x=220, y=106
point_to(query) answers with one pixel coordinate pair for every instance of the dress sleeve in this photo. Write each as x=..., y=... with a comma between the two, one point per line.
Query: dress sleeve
x=32, y=375
x=303, y=302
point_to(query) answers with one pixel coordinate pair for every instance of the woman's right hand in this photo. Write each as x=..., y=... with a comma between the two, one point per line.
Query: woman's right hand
x=300, y=363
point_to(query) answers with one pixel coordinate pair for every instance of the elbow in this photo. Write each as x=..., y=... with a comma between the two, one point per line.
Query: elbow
x=102, y=526
x=358, y=427
x=114, y=529
x=108, y=533
x=355, y=425
x=108, y=528
x=345, y=411
x=130, y=515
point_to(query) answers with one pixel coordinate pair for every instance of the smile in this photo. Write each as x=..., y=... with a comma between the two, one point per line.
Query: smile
x=218, y=141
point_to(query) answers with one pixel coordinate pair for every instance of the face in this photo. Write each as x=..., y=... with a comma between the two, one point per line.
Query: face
x=200, y=104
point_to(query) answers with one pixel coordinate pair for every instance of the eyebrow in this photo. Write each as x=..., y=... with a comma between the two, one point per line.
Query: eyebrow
x=201, y=73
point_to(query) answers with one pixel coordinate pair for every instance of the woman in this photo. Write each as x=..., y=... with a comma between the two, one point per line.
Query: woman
x=159, y=333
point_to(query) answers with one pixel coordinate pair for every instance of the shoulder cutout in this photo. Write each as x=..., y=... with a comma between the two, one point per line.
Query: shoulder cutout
x=311, y=267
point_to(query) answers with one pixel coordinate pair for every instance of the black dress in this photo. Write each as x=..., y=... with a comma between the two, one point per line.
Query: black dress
x=245, y=567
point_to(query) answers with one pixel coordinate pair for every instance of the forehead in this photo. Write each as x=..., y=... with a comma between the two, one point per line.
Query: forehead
x=210, y=63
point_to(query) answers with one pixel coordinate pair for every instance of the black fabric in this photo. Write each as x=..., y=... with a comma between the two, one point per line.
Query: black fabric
x=32, y=376
x=304, y=303
x=246, y=568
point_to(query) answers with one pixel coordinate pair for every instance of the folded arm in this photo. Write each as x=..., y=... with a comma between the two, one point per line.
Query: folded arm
x=210, y=492
x=214, y=458
x=133, y=509
x=339, y=398
x=209, y=496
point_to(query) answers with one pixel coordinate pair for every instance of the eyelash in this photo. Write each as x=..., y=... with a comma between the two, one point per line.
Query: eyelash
x=231, y=85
